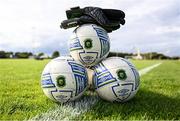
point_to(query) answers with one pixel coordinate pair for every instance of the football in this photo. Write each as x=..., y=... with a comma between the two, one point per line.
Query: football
x=116, y=79
x=89, y=44
x=64, y=80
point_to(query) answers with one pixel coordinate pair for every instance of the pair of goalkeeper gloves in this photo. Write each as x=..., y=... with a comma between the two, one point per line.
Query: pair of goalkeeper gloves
x=109, y=19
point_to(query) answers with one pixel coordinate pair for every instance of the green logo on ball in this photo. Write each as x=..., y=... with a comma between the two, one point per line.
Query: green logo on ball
x=61, y=81
x=121, y=74
x=88, y=43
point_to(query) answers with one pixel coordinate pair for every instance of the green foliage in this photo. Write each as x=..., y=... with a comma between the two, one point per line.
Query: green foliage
x=155, y=55
x=55, y=54
x=147, y=56
x=22, y=54
x=40, y=54
x=4, y=54
x=119, y=54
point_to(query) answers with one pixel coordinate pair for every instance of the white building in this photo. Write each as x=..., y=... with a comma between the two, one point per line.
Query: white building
x=138, y=57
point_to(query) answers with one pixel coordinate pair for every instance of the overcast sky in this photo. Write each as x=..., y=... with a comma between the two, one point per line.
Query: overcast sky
x=33, y=25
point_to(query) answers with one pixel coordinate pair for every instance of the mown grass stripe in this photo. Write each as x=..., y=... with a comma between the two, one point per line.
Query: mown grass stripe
x=73, y=109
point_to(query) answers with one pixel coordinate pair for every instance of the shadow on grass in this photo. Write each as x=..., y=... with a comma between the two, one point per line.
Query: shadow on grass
x=146, y=105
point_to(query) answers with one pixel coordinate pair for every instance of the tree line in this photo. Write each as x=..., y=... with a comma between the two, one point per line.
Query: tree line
x=147, y=56
x=150, y=55
x=4, y=54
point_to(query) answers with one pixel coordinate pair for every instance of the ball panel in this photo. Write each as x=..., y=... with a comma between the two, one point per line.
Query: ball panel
x=64, y=79
x=122, y=74
x=102, y=76
x=88, y=58
x=74, y=44
x=80, y=76
x=122, y=91
x=116, y=79
x=117, y=62
x=85, y=30
x=54, y=91
x=106, y=93
x=62, y=95
x=89, y=44
x=104, y=40
x=68, y=84
x=137, y=78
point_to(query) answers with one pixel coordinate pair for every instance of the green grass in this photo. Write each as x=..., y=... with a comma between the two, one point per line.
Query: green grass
x=20, y=93
x=143, y=63
x=157, y=99
x=21, y=96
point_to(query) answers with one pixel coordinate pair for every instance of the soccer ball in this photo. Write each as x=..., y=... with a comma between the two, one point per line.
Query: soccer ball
x=64, y=80
x=89, y=44
x=116, y=79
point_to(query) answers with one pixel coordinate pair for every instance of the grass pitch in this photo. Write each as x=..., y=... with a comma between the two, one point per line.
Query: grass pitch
x=21, y=96
x=157, y=99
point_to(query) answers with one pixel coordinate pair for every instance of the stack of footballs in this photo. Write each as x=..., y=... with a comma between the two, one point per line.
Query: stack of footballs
x=66, y=78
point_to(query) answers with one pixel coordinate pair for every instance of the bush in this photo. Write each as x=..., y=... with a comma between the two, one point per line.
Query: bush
x=22, y=54
x=4, y=54
x=55, y=54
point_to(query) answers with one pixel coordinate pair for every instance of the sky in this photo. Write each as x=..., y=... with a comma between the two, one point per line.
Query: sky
x=33, y=25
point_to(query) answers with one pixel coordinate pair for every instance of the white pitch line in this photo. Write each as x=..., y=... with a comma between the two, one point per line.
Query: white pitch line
x=69, y=110
x=74, y=109
x=147, y=69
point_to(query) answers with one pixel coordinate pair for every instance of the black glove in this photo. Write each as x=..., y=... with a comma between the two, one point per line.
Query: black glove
x=109, y=19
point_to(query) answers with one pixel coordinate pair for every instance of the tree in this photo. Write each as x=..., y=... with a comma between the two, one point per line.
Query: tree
x=22, y=54
x=9, y=54
x=2, y=54
x=119, y=54
x=55, y=54
x=40, y=54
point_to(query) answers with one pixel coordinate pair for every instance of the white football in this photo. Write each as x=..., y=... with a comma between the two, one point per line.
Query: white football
x=64, y=80
x=116, y=79
x=89, y=44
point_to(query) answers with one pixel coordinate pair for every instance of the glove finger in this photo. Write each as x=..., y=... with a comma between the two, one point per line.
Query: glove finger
x=114, y=14
x=122, y=21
